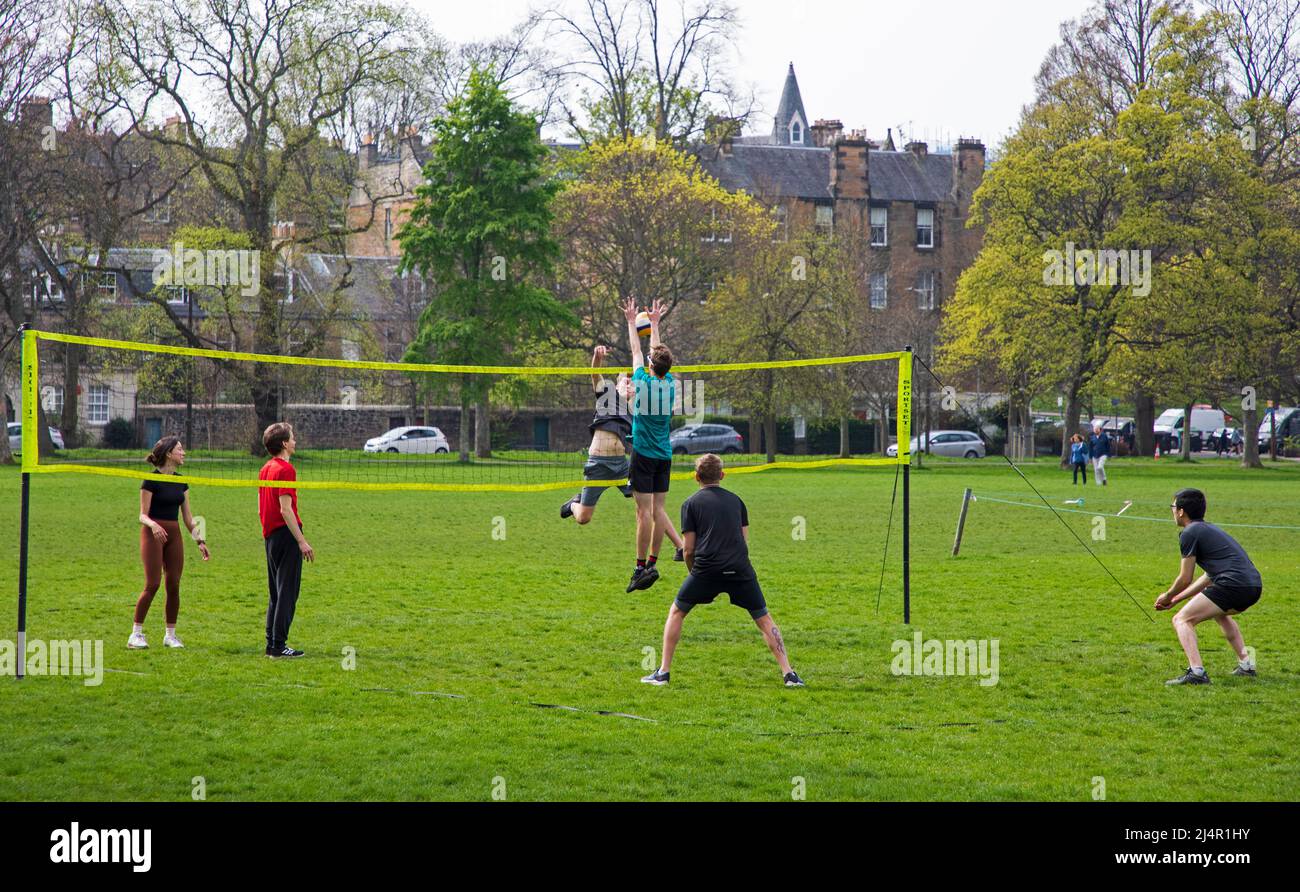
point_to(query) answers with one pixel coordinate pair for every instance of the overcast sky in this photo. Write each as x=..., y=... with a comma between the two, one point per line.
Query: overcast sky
x=941, y=68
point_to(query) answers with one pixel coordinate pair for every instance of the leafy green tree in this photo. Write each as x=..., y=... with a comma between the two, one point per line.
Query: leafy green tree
x=480, y=231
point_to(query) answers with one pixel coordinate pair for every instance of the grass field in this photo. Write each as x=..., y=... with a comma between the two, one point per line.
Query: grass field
x=459, y=637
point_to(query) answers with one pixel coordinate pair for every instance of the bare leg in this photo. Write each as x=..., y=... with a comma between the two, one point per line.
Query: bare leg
x=775, y=643
x=672, y=635
x=644, y=522
x=1232, y=632
x=673, y=536
x=661, y=522
x=1198, y=609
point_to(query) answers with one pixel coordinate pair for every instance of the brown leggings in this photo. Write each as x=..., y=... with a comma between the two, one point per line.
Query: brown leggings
x=158, y=557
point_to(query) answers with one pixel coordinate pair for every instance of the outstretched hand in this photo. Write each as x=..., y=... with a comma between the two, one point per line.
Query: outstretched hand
x=629, y=309
x=657, y=310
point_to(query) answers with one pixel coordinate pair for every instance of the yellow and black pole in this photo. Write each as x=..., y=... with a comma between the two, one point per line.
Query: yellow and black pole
x=30, y=443
x=904, y=431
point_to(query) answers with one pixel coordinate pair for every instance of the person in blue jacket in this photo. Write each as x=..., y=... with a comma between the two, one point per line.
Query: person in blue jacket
x=1079, y=458
x=1099, y=450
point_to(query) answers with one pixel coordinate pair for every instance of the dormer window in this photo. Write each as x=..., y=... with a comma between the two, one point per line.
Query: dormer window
x=796, y=132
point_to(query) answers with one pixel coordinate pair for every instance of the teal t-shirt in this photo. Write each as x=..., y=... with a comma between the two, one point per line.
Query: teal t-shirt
x=652, y=411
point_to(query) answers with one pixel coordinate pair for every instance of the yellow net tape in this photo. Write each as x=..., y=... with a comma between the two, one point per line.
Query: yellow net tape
x=32, y=464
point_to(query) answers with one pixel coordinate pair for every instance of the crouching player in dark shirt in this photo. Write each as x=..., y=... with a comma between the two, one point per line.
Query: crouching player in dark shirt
x=1229, y=585
x=715, y=526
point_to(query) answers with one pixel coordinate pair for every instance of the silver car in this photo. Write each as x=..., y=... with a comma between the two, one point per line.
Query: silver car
x=959, y=444
x=696, y=439
x=15, y=430
x=419, y=440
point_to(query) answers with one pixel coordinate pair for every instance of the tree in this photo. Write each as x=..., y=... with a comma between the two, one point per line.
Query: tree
x=480, y=231
x=638, y=218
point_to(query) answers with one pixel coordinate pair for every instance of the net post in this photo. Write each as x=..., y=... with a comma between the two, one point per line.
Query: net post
x=961, y=522
x=30, y=419
x=905, y=457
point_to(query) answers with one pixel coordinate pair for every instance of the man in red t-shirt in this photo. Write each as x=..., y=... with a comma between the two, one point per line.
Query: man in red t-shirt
x=285, y=544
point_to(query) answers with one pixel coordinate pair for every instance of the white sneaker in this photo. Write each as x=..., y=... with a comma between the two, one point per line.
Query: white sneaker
x=172, y=641
x=137, y=641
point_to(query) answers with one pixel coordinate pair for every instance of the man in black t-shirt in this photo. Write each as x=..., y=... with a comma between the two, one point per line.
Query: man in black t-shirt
x=715, y=526
x=1229, y=585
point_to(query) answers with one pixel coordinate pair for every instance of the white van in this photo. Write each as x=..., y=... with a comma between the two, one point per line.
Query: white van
x=1169, y=427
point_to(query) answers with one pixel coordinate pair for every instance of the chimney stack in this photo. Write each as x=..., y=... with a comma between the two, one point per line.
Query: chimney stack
x=826, y=132
x=368, y=154
x=849, y=158
x=919, y=149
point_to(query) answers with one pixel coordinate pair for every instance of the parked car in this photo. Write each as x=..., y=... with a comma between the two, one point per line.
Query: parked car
x=695, y=439
x=1288, y=425
x=1169, y=427
x=962, y=444
x=417, y=440
x=15, y=429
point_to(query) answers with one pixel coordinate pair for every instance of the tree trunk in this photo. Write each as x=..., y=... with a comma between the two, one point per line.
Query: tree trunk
x=483, y=428
x=1250, y=440
x=1185, y=447
x=1069, y=424
x=71, y=384
x=844, y=436
x=883, y=445
x=1272, y=431
x=1144, y=420
x=266, y=405
x=769, y=427
x=464, y=424
x=6, y=454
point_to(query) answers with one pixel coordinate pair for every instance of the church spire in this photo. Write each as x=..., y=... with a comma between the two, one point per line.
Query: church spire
x=790, y=126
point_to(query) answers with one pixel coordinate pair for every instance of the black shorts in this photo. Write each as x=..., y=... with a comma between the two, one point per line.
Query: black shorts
x=650, y=474
x=744, y=593
x=1233, y=597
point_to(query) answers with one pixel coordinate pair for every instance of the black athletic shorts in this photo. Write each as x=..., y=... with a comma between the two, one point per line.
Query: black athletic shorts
x=1233, y=597
x=650, y=474
x=744, y=593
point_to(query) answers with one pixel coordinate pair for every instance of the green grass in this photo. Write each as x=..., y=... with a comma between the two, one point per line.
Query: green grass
x=435, y=606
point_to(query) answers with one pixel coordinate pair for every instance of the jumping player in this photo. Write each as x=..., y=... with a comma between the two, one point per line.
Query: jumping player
x=715, y=524
x=163, y=504
x=1229, y=585
x=611, y=432
x=652, y=454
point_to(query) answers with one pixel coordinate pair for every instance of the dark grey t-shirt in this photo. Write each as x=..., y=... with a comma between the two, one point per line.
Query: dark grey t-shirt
x=1219, y=555
x=716, y=517
x=608, y=416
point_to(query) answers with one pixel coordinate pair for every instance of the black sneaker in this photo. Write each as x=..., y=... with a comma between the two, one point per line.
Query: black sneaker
x=636, y=579
x=1244, y=672
x=283, y=653
x=792, y=680
x=679, y=554
x=648, y=578
x=566, y=510
x=1190, y=677
x=656, y=678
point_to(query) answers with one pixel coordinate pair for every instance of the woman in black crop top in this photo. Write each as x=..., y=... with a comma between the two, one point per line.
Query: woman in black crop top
x=163, y=504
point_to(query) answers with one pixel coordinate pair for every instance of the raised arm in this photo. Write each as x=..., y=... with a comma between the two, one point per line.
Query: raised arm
x=598, y=360
x=633, y=339
x=655, y=313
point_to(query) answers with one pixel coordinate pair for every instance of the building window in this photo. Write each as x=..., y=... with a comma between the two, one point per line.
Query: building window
x=796, y=132
x=825, y=219
x=161, y=212
x=719, y=229
x=879, y=227
x=388, y=223
x=176, y=294
x=104, y=284
x=925, y=290
x=925, y=227
x=781, y=213
x=97, y=404
x=44, y=289
x=879, y=291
